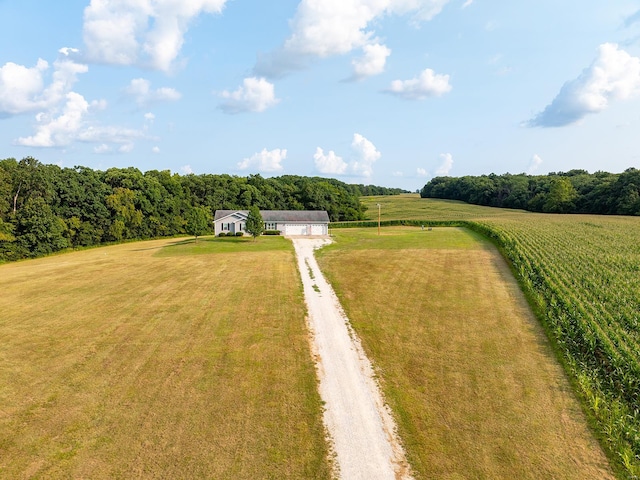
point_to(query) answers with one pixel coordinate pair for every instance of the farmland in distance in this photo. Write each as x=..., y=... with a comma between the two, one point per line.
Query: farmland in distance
x=581, y=275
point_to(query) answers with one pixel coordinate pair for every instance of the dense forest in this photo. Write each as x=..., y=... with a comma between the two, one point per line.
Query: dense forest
x=45, y=208
x=575, y=191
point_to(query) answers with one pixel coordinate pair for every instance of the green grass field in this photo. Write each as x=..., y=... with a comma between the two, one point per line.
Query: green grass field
x=183, y=359
x=474, y=386
x=581, y=276
x=161, y=359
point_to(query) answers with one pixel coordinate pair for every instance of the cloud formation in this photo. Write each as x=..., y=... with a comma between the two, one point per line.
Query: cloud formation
x=321, y=29
x=330, y=164
x=372, y=62
x=254, y=95
x=446, y=165
x=614, y=75
x=265, y=161
x=427, y=84
x=148, y=33
x=534, y=163
x=57, y=131
x=140, y=90
x=366, y=155
x=61, y=127
x=22, y=89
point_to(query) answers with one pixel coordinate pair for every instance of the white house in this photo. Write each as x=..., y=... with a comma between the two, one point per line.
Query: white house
x=288, y=222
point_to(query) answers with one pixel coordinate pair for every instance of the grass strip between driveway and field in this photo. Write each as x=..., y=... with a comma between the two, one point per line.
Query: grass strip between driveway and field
x=151, y=360
x=463, y=363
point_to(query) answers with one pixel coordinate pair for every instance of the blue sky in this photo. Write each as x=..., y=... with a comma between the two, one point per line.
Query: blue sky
x=387, y=92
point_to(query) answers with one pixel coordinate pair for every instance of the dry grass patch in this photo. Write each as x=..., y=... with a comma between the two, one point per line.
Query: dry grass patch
x=119, y=363
x=464, y=365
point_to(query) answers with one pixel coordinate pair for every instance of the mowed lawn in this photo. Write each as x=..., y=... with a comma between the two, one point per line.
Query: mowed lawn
x=463, y=363
x=160, y=359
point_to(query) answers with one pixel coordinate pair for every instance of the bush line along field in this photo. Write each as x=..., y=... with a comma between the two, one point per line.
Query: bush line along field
x=159, y=359
x=580, y=274
x=463, y=363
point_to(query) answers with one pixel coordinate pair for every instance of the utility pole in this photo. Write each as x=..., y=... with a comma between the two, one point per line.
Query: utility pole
x=378, y=219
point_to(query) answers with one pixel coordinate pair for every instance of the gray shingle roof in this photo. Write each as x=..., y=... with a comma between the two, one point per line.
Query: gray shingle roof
x=223, y=213
x=304, y=216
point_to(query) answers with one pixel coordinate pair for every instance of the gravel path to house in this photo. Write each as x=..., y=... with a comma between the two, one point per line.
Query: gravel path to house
x=361, y=429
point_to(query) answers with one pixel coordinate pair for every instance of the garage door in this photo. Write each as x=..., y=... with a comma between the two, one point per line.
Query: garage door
x=318, y=230
x=295, y=229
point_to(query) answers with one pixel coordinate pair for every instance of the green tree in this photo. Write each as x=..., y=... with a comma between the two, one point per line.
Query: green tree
x=561, y=197
x=39, y=231
x=198, y=221
x=255, y=224
x=126, y=217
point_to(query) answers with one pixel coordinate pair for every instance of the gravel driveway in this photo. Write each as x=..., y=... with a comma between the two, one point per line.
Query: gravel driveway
x=361, y=428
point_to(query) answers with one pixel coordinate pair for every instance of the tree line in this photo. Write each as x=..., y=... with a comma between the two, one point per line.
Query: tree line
x=575, y=191
x=46, y=208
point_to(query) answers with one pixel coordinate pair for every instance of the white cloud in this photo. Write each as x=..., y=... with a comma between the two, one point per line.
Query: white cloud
x=397, y=174
x=335, y=27
x=66, y=51
x=61, y=130
x=534, y=163
x=140, y=90
x=126, y=148
x=254, y=95
x=155, y=149
x=366, y=155
x=186, y=169
x=428, y=84
x=467, y=3
x=55, y=129
x=20, y=86
x=149, y=117
x=445, y=166
x=62, y=113
x=422, y=172
x=372, y=62
x=614, y=75
x=143, y=32
x=330, y=163
x=23, y=90
x=102, y=148
x=265, y=161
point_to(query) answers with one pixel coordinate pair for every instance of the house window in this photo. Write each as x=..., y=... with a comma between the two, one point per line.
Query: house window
x=270, y=225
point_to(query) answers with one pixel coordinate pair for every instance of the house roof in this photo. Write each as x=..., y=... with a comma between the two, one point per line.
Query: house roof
x=220, y=214
x=315, y=216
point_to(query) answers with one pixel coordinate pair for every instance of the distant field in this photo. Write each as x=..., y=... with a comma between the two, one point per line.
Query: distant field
x=473, y=383
x=581, y=274
x=161, y=359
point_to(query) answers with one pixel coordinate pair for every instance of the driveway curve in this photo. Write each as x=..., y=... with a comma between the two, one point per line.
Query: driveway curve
x=361, y=428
